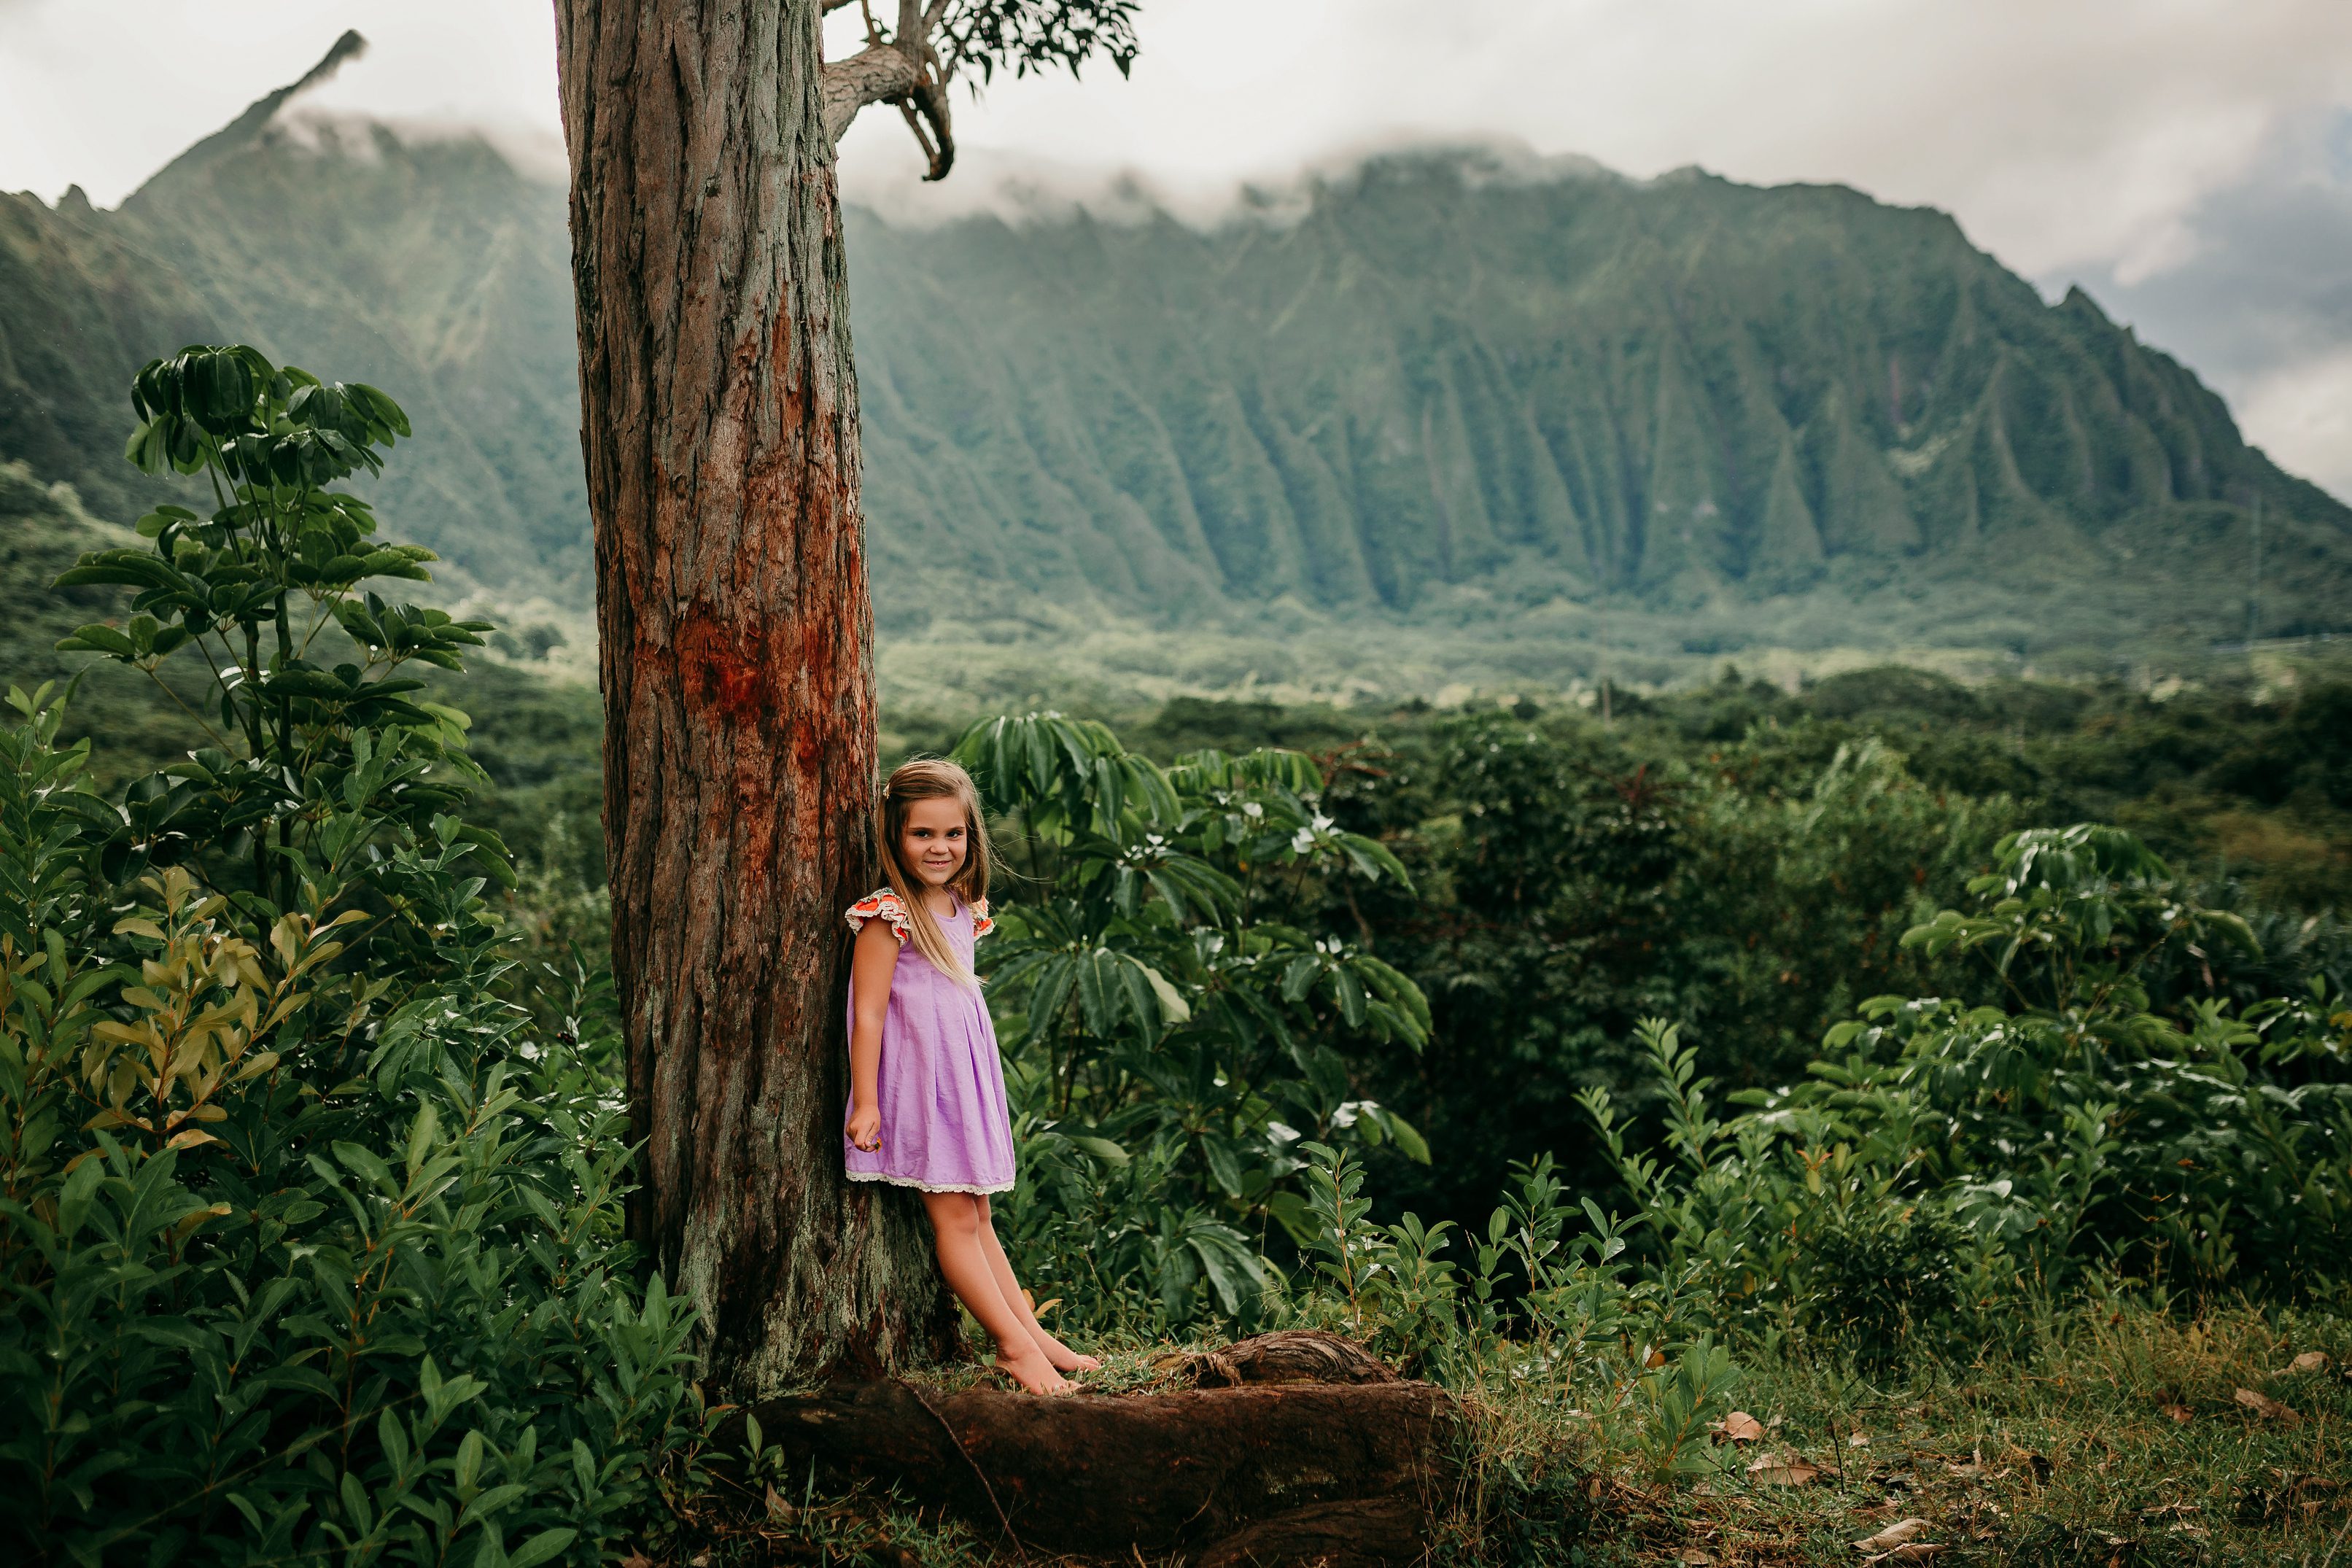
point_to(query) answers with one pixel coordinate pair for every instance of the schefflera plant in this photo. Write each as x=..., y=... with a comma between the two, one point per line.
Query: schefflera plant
x=307, y=693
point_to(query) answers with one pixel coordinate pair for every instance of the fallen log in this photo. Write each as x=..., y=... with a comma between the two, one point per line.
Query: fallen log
x=1349, y=1474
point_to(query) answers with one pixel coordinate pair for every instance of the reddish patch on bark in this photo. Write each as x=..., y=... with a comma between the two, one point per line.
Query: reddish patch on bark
x=720, y=672
x=736, y=682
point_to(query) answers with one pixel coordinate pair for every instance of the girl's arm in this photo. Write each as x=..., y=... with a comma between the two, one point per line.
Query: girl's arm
x=872, y=962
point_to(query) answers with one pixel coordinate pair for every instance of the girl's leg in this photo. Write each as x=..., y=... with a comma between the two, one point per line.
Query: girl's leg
x=1064, y=1358
x=957, y=1223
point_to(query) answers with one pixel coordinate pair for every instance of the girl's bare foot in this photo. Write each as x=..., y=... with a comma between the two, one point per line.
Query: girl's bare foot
x=1064, y=1358
x=1027, y=1365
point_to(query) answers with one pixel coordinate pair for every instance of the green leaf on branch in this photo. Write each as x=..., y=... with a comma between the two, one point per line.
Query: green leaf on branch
x=98, y=640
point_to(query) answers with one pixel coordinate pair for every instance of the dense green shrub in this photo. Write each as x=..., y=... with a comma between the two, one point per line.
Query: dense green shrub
x=308, y=1239
x=1942, y=1163
x=1570, y=889
x=1887, y=1284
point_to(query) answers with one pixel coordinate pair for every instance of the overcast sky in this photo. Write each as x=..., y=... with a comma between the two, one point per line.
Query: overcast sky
x=2188, y=161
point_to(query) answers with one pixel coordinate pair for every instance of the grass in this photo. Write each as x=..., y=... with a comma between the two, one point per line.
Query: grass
x=2116, y=1437
x=2112, y=1436
x=721, y=1521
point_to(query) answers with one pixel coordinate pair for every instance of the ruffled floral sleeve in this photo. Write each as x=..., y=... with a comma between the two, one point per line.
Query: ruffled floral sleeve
x=884, y=904
x=980, y=924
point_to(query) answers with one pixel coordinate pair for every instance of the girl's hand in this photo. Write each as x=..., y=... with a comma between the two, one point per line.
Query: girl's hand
x=866, y=1127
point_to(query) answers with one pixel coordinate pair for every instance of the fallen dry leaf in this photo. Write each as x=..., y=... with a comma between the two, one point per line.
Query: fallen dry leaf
x=1739, y=1427
x=1859, y=1440
x=636, y=1559
x=1909, y=1552
x=1893, y=1536
x=780, y=1510
x=2179, y=1412
x=2309, y=1361
x=1695, y=1557
x=2263, y=1405
x=1782, y=1472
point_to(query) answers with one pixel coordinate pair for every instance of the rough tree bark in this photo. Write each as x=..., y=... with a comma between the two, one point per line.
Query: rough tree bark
x=719, y=415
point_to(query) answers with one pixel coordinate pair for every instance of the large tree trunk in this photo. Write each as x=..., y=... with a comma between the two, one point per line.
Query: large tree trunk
x=718, y=417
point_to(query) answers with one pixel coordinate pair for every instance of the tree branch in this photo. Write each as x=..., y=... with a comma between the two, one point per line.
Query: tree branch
x=879, y=73
x=905, y=70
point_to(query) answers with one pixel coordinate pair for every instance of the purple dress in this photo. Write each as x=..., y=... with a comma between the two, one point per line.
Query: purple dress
x=940, y=1086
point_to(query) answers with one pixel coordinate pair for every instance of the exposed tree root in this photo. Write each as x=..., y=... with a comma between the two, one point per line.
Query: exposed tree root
x=1267, y=1469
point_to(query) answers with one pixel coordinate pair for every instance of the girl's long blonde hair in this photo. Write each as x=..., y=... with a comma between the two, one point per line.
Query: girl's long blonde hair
x=933, y=778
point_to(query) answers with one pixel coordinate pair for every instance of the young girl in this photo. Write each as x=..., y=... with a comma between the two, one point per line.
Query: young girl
x=927, y=1106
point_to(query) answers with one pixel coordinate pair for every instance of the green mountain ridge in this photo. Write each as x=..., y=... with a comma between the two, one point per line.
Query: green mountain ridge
x=430, y=267
x=1434, y=395
x=1434, y=380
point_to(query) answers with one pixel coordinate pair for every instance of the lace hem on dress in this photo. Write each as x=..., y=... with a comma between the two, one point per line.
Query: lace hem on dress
x=977, y=1191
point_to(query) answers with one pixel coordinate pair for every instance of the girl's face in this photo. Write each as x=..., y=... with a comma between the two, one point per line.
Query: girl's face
x=932, y=841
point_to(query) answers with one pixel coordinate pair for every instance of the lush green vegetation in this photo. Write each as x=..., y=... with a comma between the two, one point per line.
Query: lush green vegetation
x=1562, y=905
x=308, y=1233
x=1746, y=862
x=1731, y=1045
